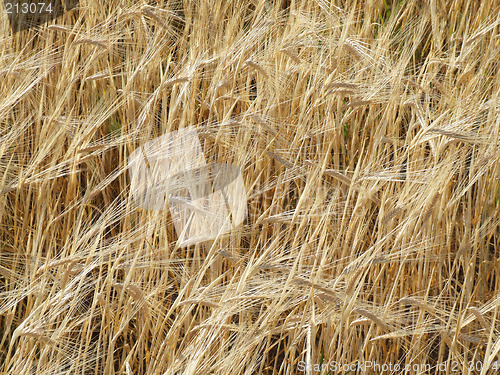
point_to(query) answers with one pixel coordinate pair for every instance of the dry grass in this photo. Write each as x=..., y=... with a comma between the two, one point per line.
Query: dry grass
x=368, y=134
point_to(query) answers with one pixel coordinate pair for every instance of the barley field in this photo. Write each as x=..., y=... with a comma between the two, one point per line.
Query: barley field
x=367, y=137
